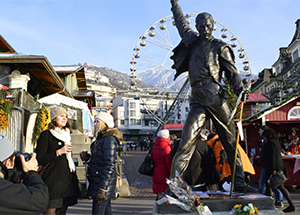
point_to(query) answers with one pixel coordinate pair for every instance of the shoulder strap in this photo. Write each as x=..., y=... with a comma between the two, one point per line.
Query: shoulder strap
x=216, y=141
x=150, y=151
x=118, y=162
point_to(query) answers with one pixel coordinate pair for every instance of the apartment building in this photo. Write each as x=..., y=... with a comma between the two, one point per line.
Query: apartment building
x=283, y=80
x=104, y=91
x=139, y=115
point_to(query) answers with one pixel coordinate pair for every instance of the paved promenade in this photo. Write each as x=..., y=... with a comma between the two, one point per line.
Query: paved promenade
x=142, y=199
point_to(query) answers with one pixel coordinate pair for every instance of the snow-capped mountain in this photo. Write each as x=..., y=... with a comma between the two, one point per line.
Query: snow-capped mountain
x=163, y=79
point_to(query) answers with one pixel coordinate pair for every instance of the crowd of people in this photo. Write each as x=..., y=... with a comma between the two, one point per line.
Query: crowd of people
x=58, y=188
x=208, y=168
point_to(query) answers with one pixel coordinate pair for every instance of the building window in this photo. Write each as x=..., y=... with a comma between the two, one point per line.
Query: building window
x=135, y=122
x=122, y=114
x=132, y=113
x=122, y=122
x=294, y=113
x=295, y=55
x=277, y=70
x=132, y=105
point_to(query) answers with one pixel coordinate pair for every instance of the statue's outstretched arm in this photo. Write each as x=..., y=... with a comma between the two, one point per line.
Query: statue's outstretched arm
x=182, y=25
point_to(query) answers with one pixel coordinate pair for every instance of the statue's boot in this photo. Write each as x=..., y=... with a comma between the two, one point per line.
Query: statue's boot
x=239, y=182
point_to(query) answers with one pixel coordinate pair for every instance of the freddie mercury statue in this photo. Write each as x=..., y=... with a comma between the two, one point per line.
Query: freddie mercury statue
x=206, y=58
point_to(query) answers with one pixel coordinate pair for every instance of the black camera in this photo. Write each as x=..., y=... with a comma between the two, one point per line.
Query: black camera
x=18, y=162
x=16, y=174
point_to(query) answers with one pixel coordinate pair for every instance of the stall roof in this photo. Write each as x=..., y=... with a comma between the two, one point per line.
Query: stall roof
x=173, y=127
x=3, y=87
x=78, y=69
x=38, y=66
x=90, y=94
x=257, y=97
x=57, y=99
x=83, y=93
x=276, y=114
x=5, y=46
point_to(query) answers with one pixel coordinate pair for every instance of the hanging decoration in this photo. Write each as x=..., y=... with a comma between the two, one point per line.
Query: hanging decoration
x=5, y=110
x=42, y=121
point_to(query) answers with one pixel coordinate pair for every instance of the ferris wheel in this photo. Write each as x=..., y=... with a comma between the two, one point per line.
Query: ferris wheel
x=151, y=58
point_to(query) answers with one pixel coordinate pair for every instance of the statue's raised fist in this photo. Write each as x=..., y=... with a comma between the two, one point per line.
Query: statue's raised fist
x=174, y=2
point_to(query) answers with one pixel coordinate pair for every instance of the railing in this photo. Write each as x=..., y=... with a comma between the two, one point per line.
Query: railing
x=20, y=98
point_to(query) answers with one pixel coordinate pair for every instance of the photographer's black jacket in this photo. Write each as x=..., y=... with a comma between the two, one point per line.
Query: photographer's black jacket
x=30, y=197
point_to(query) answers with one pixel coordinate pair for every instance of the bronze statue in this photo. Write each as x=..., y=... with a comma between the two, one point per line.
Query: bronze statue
x=206, y=58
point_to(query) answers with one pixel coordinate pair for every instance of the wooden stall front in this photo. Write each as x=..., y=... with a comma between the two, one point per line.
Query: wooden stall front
x=283, y=119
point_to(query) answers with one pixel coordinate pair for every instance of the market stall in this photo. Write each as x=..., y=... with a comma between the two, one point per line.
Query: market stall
x=285, y=120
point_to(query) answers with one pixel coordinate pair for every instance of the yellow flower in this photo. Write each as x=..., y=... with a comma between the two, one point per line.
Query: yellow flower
x=237, y=206
x=256, y=210
x=5, y=111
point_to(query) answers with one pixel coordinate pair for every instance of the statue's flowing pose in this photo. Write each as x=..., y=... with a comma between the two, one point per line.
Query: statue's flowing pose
x=206, y=58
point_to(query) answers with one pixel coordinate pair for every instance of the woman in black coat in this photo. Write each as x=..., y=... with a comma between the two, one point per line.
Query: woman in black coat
x=274, y=163
x=54, y=147
x=102, y=168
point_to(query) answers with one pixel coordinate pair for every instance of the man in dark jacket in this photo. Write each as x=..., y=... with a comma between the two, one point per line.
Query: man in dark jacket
x=30, y=197
x=206, y=59
x=201, y=172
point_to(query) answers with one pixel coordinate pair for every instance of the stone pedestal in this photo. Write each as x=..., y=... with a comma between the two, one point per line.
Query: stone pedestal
x=222, y=206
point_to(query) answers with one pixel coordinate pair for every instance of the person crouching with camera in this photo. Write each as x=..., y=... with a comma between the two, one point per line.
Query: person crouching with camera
x=21, y=192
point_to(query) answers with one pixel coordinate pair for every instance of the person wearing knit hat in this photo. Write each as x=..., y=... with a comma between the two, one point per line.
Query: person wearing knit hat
x=102, y=172
x=27, y=196
x=6, y=148
x=163, y=133
x=54, y=149
x=161, y=155
x=57, y=110
x=106, y=118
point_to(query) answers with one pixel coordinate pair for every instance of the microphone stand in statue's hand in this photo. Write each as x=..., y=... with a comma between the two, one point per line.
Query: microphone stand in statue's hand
x=241, y=99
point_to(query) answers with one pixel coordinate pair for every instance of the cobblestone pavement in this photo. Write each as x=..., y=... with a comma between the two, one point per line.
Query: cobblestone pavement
x=140, y=185
x=142, y=199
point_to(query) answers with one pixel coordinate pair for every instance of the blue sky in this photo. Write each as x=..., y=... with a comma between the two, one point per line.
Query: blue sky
x=104, y=32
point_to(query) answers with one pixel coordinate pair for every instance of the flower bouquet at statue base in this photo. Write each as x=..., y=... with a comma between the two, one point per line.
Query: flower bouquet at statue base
x=244, y=209
x=185, y=197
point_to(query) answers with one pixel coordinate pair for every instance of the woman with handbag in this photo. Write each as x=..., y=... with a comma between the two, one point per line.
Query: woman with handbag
x=274, y=164
x=262, y=180
x=102, y=168
x=54, y=153
x=161, y=155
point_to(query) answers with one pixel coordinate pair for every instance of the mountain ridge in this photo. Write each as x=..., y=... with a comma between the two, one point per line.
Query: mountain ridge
x=161, y=79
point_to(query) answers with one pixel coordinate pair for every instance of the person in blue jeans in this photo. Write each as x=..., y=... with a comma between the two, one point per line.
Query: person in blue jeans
x=262, y=180
x=276, y=191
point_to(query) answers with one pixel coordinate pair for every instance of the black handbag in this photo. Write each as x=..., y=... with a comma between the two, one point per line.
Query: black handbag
x=147, y=166
x=278, y=179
